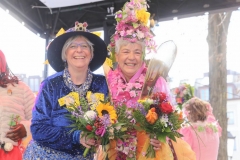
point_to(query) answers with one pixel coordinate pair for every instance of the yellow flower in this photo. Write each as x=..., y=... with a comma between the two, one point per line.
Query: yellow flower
x=108, y=62
x=94, y=99
x=107, y=109
x=141, y=101
x=72, y=99
x=143, y=16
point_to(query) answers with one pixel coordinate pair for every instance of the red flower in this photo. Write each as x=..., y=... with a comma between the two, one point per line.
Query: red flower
x=89, y=128
x=160, y=96
x=166, y=107
x=98, y=123
x=163, y=97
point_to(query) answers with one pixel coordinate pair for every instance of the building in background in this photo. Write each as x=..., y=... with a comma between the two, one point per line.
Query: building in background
x=32, y=81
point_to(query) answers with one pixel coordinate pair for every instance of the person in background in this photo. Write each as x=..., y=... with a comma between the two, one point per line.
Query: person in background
x=74, y=55
x=16, y=102
x=201, y=134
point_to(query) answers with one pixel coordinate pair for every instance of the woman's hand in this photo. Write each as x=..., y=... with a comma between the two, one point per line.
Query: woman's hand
x=87, y=142
x=17, y=132
x=155, y=143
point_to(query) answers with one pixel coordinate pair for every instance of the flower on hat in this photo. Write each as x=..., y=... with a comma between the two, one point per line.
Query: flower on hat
x=132, y=25
x=143, y=16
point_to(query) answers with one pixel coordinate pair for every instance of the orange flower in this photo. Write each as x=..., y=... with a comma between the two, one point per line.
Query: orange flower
x=180, y=115
x=151, y=116
x=179, y=100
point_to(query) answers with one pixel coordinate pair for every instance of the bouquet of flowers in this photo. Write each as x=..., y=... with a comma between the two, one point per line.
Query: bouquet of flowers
x=158, y=118
x=183, y=93
x=97, y=120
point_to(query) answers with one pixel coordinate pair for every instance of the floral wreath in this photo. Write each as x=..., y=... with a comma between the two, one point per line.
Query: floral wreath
x=132, y=26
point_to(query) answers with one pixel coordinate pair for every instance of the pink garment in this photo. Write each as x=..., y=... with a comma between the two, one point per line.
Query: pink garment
x=203, y=139
x=117, y=82
x=210, y=117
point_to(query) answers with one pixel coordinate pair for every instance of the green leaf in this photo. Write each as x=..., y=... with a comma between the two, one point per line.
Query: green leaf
x=138, y=128
x=135, y=25
x=172, y=137
x=162, y=137
x=168, y=129
x=12, y=123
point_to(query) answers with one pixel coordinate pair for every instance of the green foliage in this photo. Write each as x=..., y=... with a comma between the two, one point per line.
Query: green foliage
x=14, y=120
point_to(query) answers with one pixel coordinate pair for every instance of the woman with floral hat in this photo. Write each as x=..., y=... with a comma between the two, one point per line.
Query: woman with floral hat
x=74, y=55
x=128, y=46
x=16, y=102
x=201, y=134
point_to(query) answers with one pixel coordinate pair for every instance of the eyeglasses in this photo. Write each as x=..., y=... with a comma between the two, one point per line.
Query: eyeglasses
x=81, y=45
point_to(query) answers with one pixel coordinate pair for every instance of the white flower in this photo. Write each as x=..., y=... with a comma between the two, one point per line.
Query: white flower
x=69, y=100
x=140, y=34
x=118, y=127
x=8, y=147
x=126, y=150
x=185, y=91
x=150, y=101
x=90, y=115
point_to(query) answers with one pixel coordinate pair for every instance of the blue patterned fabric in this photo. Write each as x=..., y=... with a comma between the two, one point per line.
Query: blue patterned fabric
x=49, y=122
x=37, y=152
x=82, y=90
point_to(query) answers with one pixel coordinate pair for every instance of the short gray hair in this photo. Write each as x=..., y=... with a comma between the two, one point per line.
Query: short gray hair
x=121, y=42
x=70, y=40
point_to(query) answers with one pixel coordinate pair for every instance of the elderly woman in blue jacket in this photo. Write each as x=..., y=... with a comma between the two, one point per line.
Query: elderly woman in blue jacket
x=74, y=55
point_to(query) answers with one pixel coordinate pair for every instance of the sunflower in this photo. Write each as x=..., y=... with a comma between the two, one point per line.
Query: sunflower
x=107, y=109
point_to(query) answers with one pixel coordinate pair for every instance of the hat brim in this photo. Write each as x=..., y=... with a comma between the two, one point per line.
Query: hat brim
x=55, y=50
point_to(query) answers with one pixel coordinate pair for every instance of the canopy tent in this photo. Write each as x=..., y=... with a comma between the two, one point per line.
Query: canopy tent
x=46, y=17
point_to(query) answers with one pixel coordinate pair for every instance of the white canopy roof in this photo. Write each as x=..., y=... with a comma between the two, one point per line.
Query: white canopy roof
x=66, y=3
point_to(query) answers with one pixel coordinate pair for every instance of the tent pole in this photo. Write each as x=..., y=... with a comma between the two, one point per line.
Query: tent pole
x=45, y=72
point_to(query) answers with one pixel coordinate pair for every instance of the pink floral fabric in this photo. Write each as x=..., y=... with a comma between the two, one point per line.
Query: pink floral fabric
x=123, y=92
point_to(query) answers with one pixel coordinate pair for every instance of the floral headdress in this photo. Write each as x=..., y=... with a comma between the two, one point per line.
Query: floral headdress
x=132, y=25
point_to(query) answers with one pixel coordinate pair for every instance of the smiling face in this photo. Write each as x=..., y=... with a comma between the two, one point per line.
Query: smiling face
x=78, y=54
x=130, y=59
